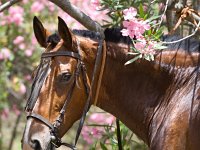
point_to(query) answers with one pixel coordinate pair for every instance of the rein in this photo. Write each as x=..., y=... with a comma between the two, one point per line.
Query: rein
x=40, y=77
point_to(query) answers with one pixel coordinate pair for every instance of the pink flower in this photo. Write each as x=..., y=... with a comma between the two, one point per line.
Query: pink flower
x=96, y=133
x=140, y=45
x=25, y=1
x=110, y=119
x=15, y=15
x=5, y=53
x=161, y=6
x=86, y=136
x=90, y=134
x=146, y=26
x=37, y=7
x=96, y=4
x=135, y=28
x=18, y=40
x=27, y=77
x=129, y=14
x=101, y=118
x=5, y=113
x=22, y=46
x=145, y=48
x=125, y=32
x=28, y=52
x=16, y=110
x=51, y=6
x=33, y=40
x=2, y=21
x=22, y=88
x=97, y=118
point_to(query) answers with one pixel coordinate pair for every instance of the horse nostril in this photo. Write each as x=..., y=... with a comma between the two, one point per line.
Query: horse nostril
x=35, y=144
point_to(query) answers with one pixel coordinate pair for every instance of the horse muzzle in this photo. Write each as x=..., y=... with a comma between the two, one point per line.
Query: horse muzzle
x=36, y=137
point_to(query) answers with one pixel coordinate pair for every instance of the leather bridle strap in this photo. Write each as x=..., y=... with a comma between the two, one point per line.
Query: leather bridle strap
x=102, y=47
x=59, y=120
x=40, y=118
x=41, y=74
x=87, y=105
x=61, y=53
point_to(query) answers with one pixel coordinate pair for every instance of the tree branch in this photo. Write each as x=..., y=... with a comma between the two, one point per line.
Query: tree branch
x=195, y=31
x=162, y=17
x=77, y=14
x=8, y=4
x=14, y=132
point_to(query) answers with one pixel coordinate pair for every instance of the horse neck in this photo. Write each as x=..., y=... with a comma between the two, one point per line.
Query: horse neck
x=130, y=92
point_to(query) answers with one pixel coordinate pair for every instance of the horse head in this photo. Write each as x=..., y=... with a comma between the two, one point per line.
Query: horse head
x=59, y=91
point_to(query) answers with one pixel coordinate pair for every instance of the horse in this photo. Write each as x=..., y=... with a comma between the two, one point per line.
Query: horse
x=158, y=100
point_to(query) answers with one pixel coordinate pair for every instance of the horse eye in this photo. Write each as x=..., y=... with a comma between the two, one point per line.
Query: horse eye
x=66, y=76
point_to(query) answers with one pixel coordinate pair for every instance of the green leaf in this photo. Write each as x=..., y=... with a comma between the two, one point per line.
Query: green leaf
x=151, y=57
x=141, y=11
x=149, y=32
x=159, y=46
x=131, y=53
x=153, y=18
x=147, y=57
x=134, y=59
x=103, y=146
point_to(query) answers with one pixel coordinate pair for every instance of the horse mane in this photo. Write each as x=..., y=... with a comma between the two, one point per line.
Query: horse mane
x=53, y=39
x=111, y=35
x=114, y=35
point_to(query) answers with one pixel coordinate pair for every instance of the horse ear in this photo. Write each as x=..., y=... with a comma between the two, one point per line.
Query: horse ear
x=64, y=32
x=41, y=33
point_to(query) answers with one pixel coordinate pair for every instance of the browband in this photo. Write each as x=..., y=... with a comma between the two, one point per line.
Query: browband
x=61, y=53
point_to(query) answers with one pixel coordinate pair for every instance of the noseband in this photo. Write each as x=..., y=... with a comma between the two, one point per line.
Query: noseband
x=40, y=77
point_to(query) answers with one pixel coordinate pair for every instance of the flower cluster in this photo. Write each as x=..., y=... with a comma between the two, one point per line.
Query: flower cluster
x=135, y=28
x=92, y=133
x=96, y=4
x=38, y=6
x=5, y=53
x=5, y=113
x=15, y=16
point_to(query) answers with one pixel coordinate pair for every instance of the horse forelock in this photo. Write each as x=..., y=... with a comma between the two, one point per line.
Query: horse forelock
x=54, y=39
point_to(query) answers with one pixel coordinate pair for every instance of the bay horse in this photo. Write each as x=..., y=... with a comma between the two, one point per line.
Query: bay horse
x=158, y=100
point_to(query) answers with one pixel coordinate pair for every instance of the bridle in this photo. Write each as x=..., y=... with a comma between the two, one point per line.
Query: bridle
x=41, y=74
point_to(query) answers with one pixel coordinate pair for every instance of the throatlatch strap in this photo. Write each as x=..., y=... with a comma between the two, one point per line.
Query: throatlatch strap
x=103, y=61
x=87, y=105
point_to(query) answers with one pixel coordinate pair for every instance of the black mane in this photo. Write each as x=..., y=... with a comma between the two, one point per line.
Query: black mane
x=111, y=35
x=53, y=39
x=114, y=35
